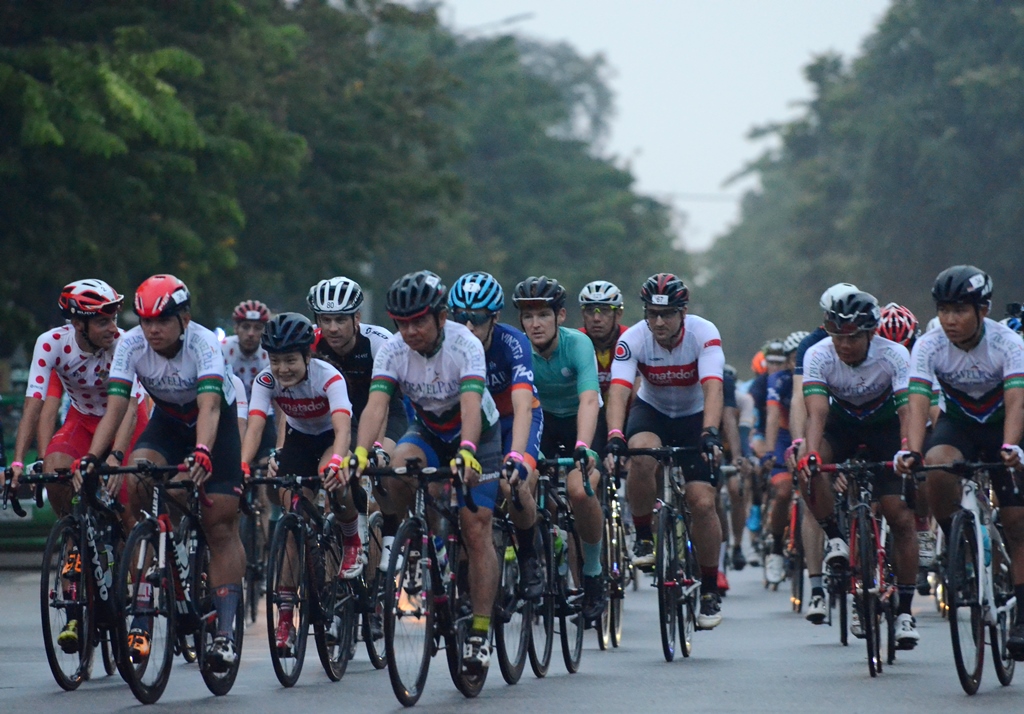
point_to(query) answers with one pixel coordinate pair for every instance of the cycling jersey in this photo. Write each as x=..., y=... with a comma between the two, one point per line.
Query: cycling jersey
x=174, y=383
x=357, y=365
x=972, y=382
x=780, y=394
x=246, y=367
x=805, y=344
x=241, y=400
x=870, y=392
x=434, y=384
x=83, y=375
x=309, y=405
x=672, y=379
x=570, y=371
x=509, y=367
x=604, y=361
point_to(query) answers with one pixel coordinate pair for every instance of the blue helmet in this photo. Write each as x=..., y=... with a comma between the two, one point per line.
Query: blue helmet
x=476, y=291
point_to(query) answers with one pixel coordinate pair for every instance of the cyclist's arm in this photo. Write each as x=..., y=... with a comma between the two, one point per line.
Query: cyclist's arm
x=125, y=432
x=472, y=422
x=106, y=430
x=373, y=418
x=1013, y=425
x=731, y=430
x=31, y=410
x=918, y=408
x=586, y=417
x=209, y=416
x=814, y=426
x=771, y=426
x=47, y=423
x=280, y=422
x=797, y=409
x=253, y=435
x=522, y=419
x=615, y=410
x=713, y=400
x=342, y=422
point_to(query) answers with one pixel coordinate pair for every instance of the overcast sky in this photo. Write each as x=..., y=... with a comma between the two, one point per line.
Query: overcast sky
x=691, y=77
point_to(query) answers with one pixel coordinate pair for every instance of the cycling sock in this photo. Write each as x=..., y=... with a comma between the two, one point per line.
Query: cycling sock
x=526, y=539
x=817, y=582
x=906, y=598
x=592, y=559
x=225, y=602
x=709, y=579
x=1018, y=592
x=831, y=527
x=481, y=625
x=287, y=596
x=350, y=528
x=642, y=524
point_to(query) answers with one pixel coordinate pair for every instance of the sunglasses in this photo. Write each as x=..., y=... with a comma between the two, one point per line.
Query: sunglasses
x=598, y=309
x=665, y=315
x=847, y=330
x=477, y=318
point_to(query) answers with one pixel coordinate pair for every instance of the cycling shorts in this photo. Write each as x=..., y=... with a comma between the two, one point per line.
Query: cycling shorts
x=268, y=441
x=440, y=453
x=679, y=431
x=532, y=452
x=977, y=442
x=175, y=441
x=75, y=436
x=301, y=453
x=880, y=441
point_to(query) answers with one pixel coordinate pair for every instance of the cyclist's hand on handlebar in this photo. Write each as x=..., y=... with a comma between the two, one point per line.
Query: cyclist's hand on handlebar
x=904, y=462
x=80, y=467
x=334, y=474
x=711, y=444
x=272, y=464
x=471, y=472
x=1012, y=455
x=201, y=466
x=113, y=481
x=14, y=472
x=515, y=469
x=585, y=455
x=792, y=454
x=617, y=446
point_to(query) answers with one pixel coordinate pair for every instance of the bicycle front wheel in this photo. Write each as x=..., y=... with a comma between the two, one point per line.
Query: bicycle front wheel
x=287, y=600
x=617, y=581
x=1002, y=587
x=512, y=613
x=542, y=619
x=866, y=584
x=570, y=617
x=409, y=613
x=373, y=619
x=335, y=629
x=64, y=605
x=963, y=597
x=667, y=581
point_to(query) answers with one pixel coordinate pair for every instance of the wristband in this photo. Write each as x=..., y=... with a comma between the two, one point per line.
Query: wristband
x=515, y=456
x=616, y=432
x=1006, y=447
x=584, y=444
x=245, y=469
x=17, y=465
x=467, y=444
x=202, y=447
x=796, y=442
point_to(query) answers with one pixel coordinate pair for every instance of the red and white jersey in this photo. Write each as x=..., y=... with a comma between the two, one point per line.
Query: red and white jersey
x=82, y=374
x=671, y=378
x=241, y=401
x=246, y=367
x=310, y=404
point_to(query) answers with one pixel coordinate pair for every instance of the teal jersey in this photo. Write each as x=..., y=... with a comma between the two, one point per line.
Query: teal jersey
x=571, y=370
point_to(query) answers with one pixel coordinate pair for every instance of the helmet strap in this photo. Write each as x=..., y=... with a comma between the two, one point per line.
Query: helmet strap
x=181, y=324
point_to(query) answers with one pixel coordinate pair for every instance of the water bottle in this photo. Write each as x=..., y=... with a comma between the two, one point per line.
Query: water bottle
x=321, y=498
x=441, y=550
x=560, y=548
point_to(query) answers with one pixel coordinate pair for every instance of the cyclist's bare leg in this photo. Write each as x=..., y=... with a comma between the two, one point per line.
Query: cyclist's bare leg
x=943, y=488
x=400, y=492
x=814, y=543
x=818, y=492
x=738, y=510
x=525, y=518
x=483, y=560
x=139, y=489
x=904, y=536
x=778, y=517
x=1012, y=519
x=59, y=494
x=641, y=479
x=227, y=555
x=586, y=509
x=707, y=528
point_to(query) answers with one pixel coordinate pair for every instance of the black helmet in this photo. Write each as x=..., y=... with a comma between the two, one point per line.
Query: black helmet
x=664, y=290
x=852, y=313
x=415, y=294
x=542, y=289
x=963, y=284
x=287, y=332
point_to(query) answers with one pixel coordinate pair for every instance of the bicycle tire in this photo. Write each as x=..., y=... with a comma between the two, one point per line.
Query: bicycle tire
x=796, y=562
x=689, y=572
x=617, y=583
x=57, y=599
x=408, y=613
x=109, y=651
x=287, y=662
x=604, y=623
x=334, y=630
x=512, y=613
x=666, y=581
x=148, y=677
x=218, y=682
x=891, y=601
x=864, y=572
x=374, y=582
x=571, y=623
x=966, y=625
x=542, y=630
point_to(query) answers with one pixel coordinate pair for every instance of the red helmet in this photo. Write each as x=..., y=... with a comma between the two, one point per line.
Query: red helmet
x=251, y=310
x=898, y=324
x=664, y=290
x=161, y=295
x=87, y=298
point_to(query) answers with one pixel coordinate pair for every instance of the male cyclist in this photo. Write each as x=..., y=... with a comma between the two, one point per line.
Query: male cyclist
x=601, y=309
x=180, y=364
x=475, y=300
x=979, y=365
x=565, y=374
x=680, y=359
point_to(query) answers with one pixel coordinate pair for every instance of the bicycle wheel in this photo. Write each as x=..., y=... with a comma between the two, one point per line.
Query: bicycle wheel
x=408, y=613
x=255, y=541
x=218, y=681
x=542, y=619
x=1002, y=587
x=63, y=600
x=146, y=602
x=287, y=598
x=108, y=648
x=570, y=616
x=334, y=629
x=890, y=602
x=617, y=583
x=604, y=623
x=666, y=580
x=795, y=561
x=963, y=596
x=866, y=584
x=373, y=618
x=512, y=613
x=689, y=587
x=838, y=592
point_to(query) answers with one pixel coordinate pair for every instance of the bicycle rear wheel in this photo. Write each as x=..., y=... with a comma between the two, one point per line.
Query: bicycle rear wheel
x=334, y=629
x=542, y=619
x=218, y=681
x=287, y=598
x=963, y=596
x=571, y=613
x=409, y=613
x=512, y=613
x=64, y=599
x=1002, y=587
x=373, y=619
x=666, y=580
x=146, y=601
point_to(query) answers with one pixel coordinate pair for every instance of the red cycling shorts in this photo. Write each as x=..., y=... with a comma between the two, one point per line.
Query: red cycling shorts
x=75, y=436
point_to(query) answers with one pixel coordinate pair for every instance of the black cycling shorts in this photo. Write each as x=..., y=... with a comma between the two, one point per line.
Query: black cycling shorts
x=880, y=441
x=977, y=442
x=679, y=431
x=175, y=441
x=559, y=436
x=440, y=453
x=301, y=453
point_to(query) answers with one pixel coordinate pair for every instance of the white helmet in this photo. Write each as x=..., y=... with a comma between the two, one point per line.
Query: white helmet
x=336, y=296
x=793, y=340
x=837, y=291
x=600, y=292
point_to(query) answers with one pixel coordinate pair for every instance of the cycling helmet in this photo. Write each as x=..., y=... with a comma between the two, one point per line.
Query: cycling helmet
x=963, y=284
x=793, y=340
x=251, y=310
x=665, y=290
x=898, y=324
x=161, y=296
x=1014, y=323
x=600, y=292
x=542, y=289
x=774, y=351
x=758, y=364
x=414, y=295
x=89, y=297
x=836, y=291
x=335, y=296
x=858, y=311
x=287, y=332
x=476, y=291
x=729, y=371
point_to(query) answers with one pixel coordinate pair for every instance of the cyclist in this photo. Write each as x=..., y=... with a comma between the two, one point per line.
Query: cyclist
x=245, y=358
x=680, y=360
x=733, y=453
x=601, y=309
x=855, y=392
x=180, y=364
x=441, y=369
x=476, y=300
x=979, y=365
x=565, y=374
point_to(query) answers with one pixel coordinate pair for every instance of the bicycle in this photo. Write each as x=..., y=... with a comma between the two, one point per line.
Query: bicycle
x=794, y=550
x=837, y=577
x=256, y=541
x=512, y=612
x=304, y=586
x=615, y=562
x=77, y=576
x=163, y=587
x=977, y=584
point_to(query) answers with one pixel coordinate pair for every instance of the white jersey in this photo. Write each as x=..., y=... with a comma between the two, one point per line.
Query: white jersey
x=972, y=382
x=241, y=401
x=745, y=404
x=175, y=383
x=870, y=392
x=672, y=379
x=82, y=374
x=309, y=405
x=244, y=366
x=434, y=384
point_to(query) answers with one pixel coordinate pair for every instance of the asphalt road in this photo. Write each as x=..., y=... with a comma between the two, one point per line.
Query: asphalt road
x=762, y=658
